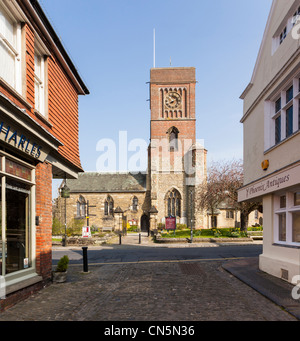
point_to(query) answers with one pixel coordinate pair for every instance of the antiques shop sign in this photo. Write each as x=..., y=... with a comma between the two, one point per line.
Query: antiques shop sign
x=270, y=184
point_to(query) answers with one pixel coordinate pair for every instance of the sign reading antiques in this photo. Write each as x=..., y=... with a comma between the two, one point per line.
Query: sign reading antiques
x=22, y=142
x=271, y=184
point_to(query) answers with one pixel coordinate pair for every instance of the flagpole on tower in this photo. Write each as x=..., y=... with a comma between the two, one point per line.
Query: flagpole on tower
x=154, y=48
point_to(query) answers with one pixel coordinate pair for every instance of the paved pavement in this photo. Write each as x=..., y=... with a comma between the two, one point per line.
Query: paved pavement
x=200, y=290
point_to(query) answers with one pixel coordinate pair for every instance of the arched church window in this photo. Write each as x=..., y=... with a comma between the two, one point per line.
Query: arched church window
x=109, y=206
x=173, y=133
x=174, y=203
x=81, y=207
x=135, y=203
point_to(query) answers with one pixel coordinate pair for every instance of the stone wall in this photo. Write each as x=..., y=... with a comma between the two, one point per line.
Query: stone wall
x=122, y=200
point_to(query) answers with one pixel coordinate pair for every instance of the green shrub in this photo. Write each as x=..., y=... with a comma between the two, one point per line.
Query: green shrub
x=57, y=227
x=75, y=227
x=133, y=228
x=255, y=228
x=63, y=264
x=181, y=226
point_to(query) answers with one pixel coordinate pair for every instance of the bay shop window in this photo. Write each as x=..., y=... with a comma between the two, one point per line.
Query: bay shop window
x=16, y=215
x=287, y=218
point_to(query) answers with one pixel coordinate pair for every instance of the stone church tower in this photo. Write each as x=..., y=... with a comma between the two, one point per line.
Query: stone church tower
x=176, y=163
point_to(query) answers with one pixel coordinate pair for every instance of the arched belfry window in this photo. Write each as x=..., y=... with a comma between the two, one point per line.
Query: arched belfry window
x=173, y=133
x=109, y=207
x=173, y=202
x=81, y=207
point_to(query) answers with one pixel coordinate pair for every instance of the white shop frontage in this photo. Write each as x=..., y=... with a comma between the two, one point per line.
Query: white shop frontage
x=280, y=195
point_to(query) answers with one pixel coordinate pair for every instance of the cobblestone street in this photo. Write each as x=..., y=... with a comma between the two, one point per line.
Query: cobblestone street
x=148, y=291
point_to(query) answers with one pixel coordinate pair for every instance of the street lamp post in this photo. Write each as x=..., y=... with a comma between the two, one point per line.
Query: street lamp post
x=192, y=218
x=65, y=193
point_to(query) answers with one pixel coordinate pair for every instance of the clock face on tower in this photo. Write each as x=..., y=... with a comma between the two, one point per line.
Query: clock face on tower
x=172, y=100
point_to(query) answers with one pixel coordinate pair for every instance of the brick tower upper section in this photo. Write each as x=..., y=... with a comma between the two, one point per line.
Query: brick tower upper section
x=172, y=102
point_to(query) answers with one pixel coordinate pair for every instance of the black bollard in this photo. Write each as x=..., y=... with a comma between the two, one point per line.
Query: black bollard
x=140, y=238
x=120, y=239
x=85, y=259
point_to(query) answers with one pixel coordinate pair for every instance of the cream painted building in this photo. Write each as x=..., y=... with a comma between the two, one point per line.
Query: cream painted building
x=271, y=121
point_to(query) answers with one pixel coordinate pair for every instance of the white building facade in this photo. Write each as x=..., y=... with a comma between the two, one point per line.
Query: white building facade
x=271, y=121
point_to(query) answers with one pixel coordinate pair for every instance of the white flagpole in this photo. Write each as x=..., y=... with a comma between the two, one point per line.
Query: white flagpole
x=154, y=48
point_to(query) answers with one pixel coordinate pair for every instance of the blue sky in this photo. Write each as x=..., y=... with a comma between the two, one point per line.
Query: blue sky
x=111, y=44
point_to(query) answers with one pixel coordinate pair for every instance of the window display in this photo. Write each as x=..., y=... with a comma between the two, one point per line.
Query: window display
x=15, y=217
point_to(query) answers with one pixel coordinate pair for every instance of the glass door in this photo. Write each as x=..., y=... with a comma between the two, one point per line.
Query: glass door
x=17, y=226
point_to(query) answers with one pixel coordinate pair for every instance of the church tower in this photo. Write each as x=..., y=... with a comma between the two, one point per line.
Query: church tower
x=172, y=151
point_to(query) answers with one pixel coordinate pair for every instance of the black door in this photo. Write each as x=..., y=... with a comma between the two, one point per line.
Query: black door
x=145, y=223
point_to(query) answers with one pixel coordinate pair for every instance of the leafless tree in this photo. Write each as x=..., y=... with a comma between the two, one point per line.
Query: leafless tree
x=222, y=183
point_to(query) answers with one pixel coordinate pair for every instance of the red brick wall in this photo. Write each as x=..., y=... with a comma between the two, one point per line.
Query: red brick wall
x=174, y=78
x=44, y=212
x=29, y=62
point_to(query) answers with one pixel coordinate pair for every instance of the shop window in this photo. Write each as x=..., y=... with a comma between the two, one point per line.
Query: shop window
x=287, y=218
x=16, y=220
x=282, y=227
x=17, y=226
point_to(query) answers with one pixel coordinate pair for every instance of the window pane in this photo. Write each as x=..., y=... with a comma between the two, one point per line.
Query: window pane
x=278, y=129
x=283, y=201
x=289, y=121
x=297, y=199
x=296, y=227
x=7, y=64
x=278, y=105
x=289, y=94
x=7, y=28
x=17, y=226
x=282, y=227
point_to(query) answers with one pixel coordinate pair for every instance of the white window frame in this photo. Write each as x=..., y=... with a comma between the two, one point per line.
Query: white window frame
x=15, y=50
x=39, y=83
x=288, y=210
x=271, y=115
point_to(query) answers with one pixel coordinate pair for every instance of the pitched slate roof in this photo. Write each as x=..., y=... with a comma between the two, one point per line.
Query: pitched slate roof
x=92, y=182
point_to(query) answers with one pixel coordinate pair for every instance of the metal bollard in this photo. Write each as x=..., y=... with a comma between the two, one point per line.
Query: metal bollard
x=85, y=259
x=140, y=239
x=120, y=239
